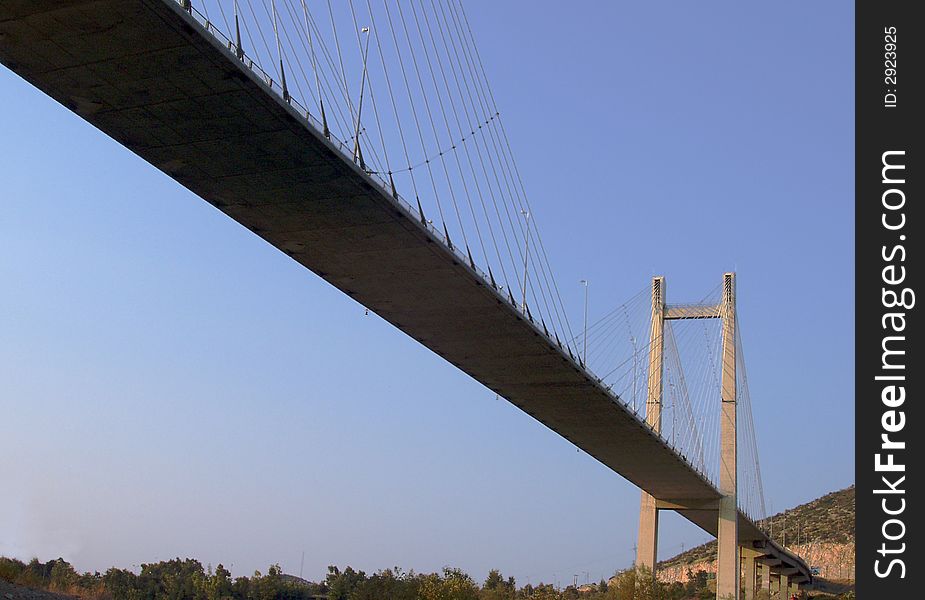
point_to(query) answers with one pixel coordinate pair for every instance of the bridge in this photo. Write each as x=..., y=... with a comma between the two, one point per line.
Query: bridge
x=257, y=115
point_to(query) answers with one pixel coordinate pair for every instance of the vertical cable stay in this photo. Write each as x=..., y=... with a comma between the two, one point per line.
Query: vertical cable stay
x=340, y=60
x=469, y=133
x=287, y=58
x=417, y=122
x=239, y=49
x=463, y=133
x=314, y=62
x=221, y=10
x=509, y=155
x=446, y=123
x=756, y=506
x=253, y=19
x=279, y=52
x=473, y=122
x=293, y=57
x=395, y=112
x=433, y=127
x=523, y=226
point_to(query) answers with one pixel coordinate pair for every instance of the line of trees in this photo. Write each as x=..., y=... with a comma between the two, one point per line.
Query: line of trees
x=166, y=580
x=187, y=580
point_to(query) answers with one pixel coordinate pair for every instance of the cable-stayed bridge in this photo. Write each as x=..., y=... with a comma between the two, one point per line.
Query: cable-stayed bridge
x=363, y=140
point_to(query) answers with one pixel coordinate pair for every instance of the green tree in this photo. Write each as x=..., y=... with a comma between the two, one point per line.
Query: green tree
x=63, y=576
x=452, y=585
x=122, y=584
x=498, y=588
x=545, y=591
x=391, y=584
x=340, y=585
x=219, y=586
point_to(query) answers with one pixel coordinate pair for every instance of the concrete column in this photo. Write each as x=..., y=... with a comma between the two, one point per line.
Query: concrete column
x=764, y=576
x=750, y=579
x=647, y=551
x=784, y=592
x=647, y=545
x=727, y=571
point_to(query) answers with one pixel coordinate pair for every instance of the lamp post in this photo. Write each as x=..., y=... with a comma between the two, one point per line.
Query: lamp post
x=357, y=152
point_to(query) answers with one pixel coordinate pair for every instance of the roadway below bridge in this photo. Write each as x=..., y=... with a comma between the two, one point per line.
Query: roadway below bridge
x=147, y=74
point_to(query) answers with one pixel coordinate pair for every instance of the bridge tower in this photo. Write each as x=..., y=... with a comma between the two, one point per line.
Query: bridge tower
x=727, y=541
x=728, y=577
x=647, y=544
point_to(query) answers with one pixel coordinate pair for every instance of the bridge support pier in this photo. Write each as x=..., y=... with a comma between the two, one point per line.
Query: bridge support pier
x=647, y=543
x=727, y=563
x=750, y=579
x=764, y=578
x=783, y=592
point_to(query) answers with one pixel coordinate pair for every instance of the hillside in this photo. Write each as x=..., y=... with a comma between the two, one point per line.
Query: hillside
x=821, y=531
x=10, y=591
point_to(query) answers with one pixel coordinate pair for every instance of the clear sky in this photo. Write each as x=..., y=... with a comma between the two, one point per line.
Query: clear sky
x=174, y=386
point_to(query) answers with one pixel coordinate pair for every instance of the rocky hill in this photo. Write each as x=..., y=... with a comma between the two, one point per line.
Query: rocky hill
x=821, y=531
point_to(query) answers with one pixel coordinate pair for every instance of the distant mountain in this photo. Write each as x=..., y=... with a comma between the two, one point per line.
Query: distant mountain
x=821, y=531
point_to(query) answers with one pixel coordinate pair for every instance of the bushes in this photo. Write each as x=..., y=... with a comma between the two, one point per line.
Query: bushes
x=10, y=568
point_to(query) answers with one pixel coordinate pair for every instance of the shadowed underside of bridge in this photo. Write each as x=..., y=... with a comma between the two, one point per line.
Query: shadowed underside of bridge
x=142, y=72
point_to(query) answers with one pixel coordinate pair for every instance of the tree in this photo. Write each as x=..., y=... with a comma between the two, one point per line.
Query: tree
x=696, y=582
x=341, y=585
x=63, y=575
x=391, y=584
x=494, y=580
x=452, y=585
x=497, y=588
x=218, y=584
x=545, y=591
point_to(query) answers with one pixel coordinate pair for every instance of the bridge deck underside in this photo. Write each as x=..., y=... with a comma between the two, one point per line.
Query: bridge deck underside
x=141, y=72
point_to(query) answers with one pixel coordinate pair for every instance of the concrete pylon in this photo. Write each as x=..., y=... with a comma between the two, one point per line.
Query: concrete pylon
x=784, y=592
x=764, y=577
x=750, y=577
x=647, y=544
x=727, y=563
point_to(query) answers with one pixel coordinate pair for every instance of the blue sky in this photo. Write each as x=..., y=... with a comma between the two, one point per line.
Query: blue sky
x=174, y=386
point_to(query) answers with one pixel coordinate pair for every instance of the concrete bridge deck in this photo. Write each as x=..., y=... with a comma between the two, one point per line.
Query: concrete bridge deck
x=147, y=74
